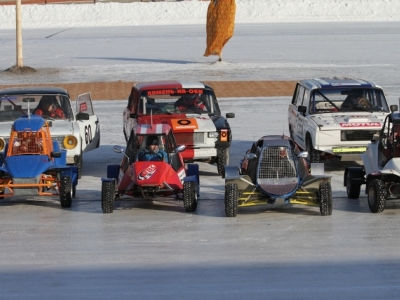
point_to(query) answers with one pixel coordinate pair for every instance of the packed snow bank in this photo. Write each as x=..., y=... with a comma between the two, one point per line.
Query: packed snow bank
x=194, y=12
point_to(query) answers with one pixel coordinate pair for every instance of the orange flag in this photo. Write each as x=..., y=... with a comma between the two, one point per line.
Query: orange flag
x=220, y=25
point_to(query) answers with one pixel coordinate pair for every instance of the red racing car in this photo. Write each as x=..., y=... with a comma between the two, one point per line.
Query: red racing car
x=152, y=167
x=192, y=111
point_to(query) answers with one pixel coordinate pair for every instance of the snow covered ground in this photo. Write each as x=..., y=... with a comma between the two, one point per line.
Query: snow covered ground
x=156, y=250
x=194, y=12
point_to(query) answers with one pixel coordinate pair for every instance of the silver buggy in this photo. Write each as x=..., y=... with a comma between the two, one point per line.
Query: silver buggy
x=272, y=169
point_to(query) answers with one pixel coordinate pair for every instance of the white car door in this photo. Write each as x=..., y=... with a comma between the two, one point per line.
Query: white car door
x=89, y=129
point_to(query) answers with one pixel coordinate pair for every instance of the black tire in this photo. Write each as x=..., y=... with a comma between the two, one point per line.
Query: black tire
x=190, y=196
x=353, y=190
x=222, y=159
x=231, y=199
x=325, y=199
x=376, y=196
x=73, y=191
x=107, y=196
x=79, y=164
x=66, y=191
x=314, y=156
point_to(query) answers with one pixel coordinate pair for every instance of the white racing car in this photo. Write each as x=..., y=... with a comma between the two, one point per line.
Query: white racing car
x=381, y=170
x=336, y=117
x=76, y=131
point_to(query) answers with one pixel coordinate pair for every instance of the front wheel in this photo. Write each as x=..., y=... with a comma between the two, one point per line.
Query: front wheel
x=190, y=196
x=376, y=196
x=66, y=191
x=107, y=196
x=231, y=199
x=313, y=155
x=353, y=190
x=325, y=199
x=222, y=159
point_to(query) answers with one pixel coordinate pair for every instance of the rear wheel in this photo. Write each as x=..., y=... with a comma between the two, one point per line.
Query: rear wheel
x=66, y=191
x=107, y=196
x=190, y=196
x=325, y=199
x=376, y=196
x=313, y=155
x=231, y=199
x=222, y=159
x=353, y=190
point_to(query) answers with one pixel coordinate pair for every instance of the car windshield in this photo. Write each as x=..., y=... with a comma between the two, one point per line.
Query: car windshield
x=348, y=99
x=178, y=101
x=14, y=106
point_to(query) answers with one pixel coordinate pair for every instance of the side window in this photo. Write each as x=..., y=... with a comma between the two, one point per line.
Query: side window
x=306, y=98
x=298, y=96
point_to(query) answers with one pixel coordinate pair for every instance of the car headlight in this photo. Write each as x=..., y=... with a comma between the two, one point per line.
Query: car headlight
x=213, y=134
x=2, y=144
x=70, y=142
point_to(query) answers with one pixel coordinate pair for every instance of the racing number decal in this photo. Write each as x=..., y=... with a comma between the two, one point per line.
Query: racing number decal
x=88, y=134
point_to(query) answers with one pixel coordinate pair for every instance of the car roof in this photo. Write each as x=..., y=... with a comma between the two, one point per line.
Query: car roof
x=337, y=82
x=276, y=140
x=169, y=84
x=34, y=90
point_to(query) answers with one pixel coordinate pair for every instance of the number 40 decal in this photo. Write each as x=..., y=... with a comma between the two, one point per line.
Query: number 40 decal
x=88, y=134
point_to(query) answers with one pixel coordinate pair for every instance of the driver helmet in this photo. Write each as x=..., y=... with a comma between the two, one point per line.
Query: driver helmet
x=282, y=152
x=190, y=100
x=152, y=140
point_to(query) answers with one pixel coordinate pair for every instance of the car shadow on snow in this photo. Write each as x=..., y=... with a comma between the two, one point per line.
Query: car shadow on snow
x=164, y=61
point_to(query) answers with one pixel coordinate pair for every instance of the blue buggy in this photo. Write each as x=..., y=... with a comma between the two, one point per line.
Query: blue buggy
x=32, y=164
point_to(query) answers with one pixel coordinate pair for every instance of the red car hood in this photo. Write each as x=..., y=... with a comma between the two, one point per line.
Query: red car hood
x=150, y=174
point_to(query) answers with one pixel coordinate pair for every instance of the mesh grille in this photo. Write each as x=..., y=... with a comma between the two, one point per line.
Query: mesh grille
x=276, y=171
x=28, y=143
x=357, y=135
x=189, y=138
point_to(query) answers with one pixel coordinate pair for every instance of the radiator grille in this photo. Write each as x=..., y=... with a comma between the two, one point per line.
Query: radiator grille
x=357, y=135
x=277, y=173
x=189, y=138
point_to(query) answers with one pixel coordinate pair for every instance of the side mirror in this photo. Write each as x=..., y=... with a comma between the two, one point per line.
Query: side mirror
x=118, y=149
x=394, y=108
x=230, y=115
x=82, y=116
x=250, y=156
x=375, y=138
x=302, y=109
x=180, y=148
x=55, y=154
x=303, y=154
